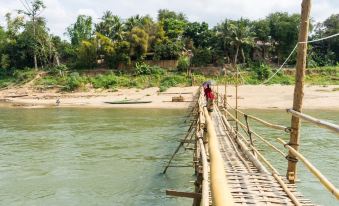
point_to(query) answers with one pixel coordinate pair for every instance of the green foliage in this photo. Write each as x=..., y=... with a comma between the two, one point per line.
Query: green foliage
x=25, y=75
x=74, y=81
x=138, y=39
x=168, y=50
x=110, y=26
x=202, y=57
x=120, y=55
x=145, y=69
x=262, y=71
x=87, y=54
x=5, y=62
x=172, y=81
x=60, y=70
x=81, y=30
x=183, y=63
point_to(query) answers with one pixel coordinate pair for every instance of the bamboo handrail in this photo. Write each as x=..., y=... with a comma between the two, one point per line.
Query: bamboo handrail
x=257, y=135
x=313, y=120
x=221, y=195
x=205, y=192
x=273, y=126
x=323, y=180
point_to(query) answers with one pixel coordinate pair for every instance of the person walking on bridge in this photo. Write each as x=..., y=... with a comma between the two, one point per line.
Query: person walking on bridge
x=209, y=98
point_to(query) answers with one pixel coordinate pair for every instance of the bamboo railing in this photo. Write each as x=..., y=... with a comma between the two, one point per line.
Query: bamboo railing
x=221, y=194
x=323, y=180
x=318, y=122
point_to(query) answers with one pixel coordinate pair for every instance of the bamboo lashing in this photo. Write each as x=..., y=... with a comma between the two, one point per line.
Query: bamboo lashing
x=323, y=180
x=318, y=122
x=221, y=194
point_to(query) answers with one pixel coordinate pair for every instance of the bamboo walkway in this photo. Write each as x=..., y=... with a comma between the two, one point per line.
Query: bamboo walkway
x=229, y=168
x=249, y=185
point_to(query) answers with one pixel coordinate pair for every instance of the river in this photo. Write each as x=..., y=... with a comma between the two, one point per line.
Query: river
x=115, y=157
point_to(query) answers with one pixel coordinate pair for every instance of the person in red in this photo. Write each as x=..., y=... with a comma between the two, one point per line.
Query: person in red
x=209, y=97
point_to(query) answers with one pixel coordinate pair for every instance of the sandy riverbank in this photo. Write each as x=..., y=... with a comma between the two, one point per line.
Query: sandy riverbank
x=250, y=96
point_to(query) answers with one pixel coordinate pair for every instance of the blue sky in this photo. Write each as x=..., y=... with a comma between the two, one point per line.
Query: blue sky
x=62, y=13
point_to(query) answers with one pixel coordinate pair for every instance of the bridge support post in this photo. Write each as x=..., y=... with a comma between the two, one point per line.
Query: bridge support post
x=299, y=89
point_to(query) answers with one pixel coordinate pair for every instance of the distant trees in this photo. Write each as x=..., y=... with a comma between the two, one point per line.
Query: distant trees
x=327, y=52
x=33, y=11
x=27, y=42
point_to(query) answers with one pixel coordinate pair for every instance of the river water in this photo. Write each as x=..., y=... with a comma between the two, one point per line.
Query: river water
x=115, y=157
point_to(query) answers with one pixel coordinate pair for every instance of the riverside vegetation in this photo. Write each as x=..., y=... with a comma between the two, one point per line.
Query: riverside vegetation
x=28, y=49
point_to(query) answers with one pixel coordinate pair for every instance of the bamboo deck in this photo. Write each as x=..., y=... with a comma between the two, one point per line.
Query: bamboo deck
x=248, y=184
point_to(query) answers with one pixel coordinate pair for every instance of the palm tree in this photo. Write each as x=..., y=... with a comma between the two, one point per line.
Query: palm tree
x=111, y=26
x=241, y=35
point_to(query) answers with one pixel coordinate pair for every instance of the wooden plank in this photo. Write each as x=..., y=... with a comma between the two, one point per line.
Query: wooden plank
x=183, y=194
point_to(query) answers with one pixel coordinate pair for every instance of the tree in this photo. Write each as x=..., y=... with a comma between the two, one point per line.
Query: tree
x=138, y=39
x=241, y=36
x=167, y=14
x=81, y=30
x=199, y=34
x=87, y=54
x=110, y=26
x=326, y=52
x=33, y=11
x=284, y=30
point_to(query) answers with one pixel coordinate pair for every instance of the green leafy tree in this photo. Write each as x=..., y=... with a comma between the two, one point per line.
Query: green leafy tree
x=33, y=11
x=326, y=52
x=138, y=39
x=167, y=14
x=110, y=26
x=81, y=30
x=241, y=36
x=284, y=29
x=87, y=54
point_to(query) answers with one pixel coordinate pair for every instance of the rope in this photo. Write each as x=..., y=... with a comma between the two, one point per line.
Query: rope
x=289, y=56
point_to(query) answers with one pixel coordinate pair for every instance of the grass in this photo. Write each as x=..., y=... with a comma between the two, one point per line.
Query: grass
x=157, y=77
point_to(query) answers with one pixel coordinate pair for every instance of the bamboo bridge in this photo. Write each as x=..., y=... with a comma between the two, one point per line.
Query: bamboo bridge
x=230, y=169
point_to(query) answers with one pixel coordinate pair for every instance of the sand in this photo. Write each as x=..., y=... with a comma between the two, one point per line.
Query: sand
x=250, y=97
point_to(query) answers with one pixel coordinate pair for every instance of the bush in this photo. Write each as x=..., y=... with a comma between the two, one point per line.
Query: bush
x=59, y=70
x=25, y=75
x=74, y=81
x=183, y=63
x=172, y=81
x=263, y=71
x=145, y=69
x=202, y=57
x=105, y=81
x=142, y=69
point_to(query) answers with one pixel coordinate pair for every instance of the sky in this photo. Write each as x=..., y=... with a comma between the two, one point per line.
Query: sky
x=62, y=13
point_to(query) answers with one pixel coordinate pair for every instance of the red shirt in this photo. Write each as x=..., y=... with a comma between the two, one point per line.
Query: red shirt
x=209, y=93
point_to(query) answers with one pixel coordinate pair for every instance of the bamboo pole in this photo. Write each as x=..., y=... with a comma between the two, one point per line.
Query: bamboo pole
x=299, y=89
x=205, y=184
x=316, y=121
x=236, y=98
x=273, y=126
x=221, y=195
x=225, y=96
x=323, y=180
x=257, y=135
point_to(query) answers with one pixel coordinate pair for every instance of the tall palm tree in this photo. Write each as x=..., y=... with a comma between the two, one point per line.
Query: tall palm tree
x=241, y=35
